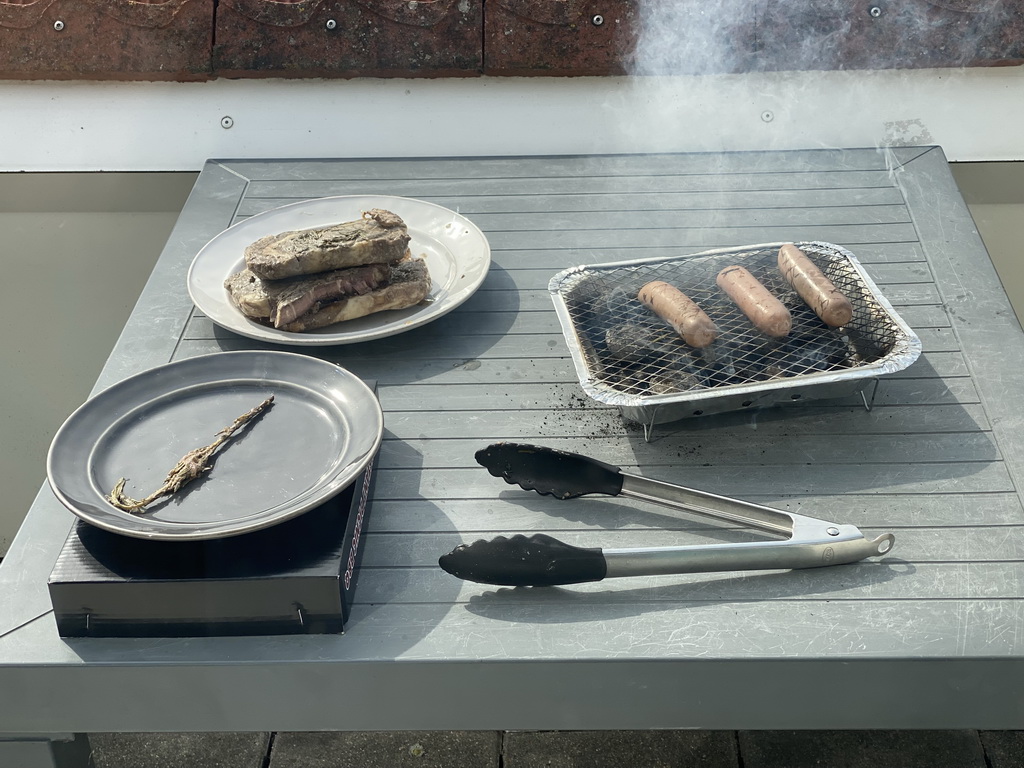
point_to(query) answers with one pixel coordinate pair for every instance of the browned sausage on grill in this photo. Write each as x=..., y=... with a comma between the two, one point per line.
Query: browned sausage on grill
x=679, y=310
x=766, y=312
x=818, y=291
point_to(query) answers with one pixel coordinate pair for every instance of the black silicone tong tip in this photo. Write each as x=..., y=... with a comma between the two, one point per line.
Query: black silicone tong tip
x=524, y=561
x=548, y=471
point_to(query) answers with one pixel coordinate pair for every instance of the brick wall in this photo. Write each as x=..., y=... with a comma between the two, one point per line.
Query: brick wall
x=206, y=39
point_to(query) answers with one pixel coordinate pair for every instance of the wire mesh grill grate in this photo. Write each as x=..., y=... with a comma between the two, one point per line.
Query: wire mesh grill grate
x=630, y=350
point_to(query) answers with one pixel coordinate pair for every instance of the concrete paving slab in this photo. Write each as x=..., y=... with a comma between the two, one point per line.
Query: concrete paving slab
x=861, y=749
x=179, y=750
x=392, y=749
x=1004, y=749
x=613, y=749
x=564, y=749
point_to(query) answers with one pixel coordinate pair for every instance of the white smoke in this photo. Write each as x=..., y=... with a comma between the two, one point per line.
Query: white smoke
x=711, y=75
x=697, y=37
x=681, y=37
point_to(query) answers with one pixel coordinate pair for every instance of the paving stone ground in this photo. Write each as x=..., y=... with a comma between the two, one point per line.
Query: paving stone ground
x=398, y=749
x=861, y=749
x=179, y=750
x=614, y=749
x=564, y=749
x=1004, y=749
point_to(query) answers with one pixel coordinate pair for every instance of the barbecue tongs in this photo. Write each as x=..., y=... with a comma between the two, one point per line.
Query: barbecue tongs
x=540, y=560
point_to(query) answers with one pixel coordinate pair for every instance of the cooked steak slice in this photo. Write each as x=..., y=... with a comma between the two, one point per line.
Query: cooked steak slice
x=282, y=301
x=380, y=237
x=409, y=285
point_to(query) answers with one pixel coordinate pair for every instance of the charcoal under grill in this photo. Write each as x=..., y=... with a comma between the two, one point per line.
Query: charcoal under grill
x=627, y=356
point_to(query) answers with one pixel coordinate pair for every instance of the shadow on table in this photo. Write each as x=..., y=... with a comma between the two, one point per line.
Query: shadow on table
x=598, y=513
x=615, y=599
x=463, y=334
x=918, y=437
x=392, y=557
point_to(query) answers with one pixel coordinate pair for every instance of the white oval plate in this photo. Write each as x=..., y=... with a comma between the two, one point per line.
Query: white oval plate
x=456, y=251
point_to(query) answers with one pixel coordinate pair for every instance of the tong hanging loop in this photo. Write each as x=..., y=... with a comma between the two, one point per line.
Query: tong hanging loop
x=541, y=560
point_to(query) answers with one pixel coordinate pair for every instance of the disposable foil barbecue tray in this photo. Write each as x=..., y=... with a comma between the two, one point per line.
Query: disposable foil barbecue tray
x=626, y=356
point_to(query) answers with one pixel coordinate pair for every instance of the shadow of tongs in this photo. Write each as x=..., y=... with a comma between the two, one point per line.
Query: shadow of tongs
x=541, y=560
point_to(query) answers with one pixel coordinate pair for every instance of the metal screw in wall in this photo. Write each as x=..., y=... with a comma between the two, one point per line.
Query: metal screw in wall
x=597, y=20
x=227, y=121
x=58, y=25
x=331, y=24
x=767, y=115
x=875, y=11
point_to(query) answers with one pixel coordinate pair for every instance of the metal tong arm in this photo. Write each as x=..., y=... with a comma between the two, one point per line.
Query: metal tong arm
x=809, y=542
x=541, y=560
x=709, y=504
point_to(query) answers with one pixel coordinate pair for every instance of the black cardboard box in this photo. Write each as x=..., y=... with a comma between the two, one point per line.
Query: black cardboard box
x=297, y=577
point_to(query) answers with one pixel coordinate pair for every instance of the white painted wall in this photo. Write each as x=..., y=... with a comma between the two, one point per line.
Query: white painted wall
x=974, y=114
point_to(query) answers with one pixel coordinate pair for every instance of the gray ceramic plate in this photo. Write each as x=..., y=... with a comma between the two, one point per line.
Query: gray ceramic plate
x=323, y=429
x=455, y=250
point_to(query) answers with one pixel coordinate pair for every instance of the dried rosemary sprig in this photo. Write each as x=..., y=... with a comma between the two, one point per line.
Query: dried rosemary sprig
x=192, y=465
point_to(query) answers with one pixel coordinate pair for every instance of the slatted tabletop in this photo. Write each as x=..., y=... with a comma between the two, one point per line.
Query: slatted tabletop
x=931, y=635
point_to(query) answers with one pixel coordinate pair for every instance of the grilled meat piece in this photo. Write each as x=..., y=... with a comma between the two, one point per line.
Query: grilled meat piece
x=380, y=237
x=283, y=301
x=409, y=285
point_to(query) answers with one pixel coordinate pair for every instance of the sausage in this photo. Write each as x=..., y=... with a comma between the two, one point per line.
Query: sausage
x=813, y=287
x=679, y=310
x=765, y=311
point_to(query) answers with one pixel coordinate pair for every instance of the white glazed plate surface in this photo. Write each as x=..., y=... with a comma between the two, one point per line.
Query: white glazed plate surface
x=456, y=251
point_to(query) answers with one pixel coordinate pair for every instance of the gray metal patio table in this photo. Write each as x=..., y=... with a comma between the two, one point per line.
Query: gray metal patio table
x=929, y=636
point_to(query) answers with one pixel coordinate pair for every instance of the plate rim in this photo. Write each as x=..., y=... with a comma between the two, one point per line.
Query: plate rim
x=167, y=531
x=249, y=329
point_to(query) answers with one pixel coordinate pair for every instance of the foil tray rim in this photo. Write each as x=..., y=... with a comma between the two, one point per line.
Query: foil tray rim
x=906, y=350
